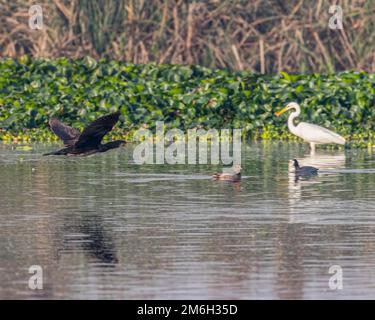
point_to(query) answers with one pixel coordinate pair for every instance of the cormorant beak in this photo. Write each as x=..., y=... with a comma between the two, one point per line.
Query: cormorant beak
x=279, y=113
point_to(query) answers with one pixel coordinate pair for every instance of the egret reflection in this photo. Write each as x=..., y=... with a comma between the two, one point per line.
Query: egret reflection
x=300, y=187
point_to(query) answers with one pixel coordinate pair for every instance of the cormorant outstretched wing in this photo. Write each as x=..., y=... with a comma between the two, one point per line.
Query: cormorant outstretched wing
x=67, y=134
x=94, y=133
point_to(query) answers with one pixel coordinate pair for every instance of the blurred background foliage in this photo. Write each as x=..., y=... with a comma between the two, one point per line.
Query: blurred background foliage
x=266, y=36
x=192, y=64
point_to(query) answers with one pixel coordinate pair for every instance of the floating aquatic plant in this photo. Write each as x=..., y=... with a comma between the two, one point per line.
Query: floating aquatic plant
x=185, y=97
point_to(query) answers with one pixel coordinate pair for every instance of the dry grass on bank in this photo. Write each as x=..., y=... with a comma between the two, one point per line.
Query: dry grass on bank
x=259, y=35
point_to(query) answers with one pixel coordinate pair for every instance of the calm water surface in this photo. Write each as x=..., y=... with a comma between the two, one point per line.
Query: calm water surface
x=104, y=227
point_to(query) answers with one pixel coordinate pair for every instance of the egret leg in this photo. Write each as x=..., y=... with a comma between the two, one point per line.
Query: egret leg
x=312, y=146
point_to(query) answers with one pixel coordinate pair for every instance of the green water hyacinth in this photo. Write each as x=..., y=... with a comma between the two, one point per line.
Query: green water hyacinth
x=184, y=97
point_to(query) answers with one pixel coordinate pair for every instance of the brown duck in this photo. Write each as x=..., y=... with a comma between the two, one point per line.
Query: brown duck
x=89, y=141
x=235, y=176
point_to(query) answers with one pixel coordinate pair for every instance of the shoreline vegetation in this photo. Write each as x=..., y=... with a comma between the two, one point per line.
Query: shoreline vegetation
x=265, y=36
x=182, y=96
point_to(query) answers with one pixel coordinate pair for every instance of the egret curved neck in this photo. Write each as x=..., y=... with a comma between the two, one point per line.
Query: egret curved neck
x=292, y=127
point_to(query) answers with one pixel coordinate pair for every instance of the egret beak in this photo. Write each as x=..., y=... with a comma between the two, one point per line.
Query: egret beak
x=279, y=113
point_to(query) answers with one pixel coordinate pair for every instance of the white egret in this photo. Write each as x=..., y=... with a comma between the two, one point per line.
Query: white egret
x=309, y=132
